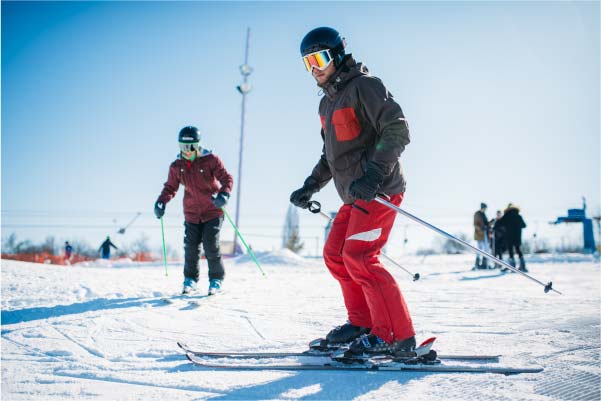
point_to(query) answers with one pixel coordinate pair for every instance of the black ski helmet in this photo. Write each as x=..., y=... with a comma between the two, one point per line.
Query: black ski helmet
x=324, y=38
x=189, y=134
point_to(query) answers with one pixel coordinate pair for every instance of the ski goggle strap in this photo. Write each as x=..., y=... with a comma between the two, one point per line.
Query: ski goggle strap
x=319, y=60
x=189, y=147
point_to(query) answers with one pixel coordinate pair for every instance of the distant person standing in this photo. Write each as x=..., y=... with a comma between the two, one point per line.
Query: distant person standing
x=207, y=189
x=498, y=236
x=105, y=248
x=513, y=223
x=68, y=252
x=481, y=236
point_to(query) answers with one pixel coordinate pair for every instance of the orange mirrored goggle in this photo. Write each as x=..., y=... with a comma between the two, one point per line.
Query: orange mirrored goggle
x=320, y=60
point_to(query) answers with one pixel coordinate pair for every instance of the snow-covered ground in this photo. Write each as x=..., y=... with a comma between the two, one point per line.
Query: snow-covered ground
x=102, y=332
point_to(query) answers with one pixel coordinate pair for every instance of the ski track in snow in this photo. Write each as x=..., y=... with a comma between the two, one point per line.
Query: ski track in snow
x=96, y=332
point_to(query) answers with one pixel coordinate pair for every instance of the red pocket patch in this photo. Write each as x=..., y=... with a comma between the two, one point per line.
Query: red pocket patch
x=346, y=124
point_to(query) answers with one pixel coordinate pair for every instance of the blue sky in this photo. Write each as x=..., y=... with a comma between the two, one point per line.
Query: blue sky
x=502, y=101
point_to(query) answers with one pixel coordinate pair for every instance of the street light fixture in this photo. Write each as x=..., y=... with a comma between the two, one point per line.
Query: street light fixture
x=244, y=88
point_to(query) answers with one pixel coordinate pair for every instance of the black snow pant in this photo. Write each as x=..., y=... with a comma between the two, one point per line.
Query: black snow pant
x=516, y=246
x=208, y=234
x=499, y=248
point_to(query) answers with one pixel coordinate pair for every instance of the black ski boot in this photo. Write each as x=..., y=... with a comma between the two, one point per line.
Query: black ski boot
x=339, y=337
x=371, y=345
x=512, y=262
x=523, y=265
x=406, y=345
x=346, y=333
x=477, y=263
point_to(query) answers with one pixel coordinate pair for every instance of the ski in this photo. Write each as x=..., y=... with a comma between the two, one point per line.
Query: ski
x=190, y=300
x=193, y=299
x=310, y=353
x=367, y=366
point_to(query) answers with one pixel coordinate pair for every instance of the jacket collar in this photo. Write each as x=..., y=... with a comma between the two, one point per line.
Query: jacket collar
x=347, y=71
x=203, y=153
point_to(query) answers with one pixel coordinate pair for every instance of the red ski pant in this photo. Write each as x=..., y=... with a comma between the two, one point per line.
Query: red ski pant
x=371, y=295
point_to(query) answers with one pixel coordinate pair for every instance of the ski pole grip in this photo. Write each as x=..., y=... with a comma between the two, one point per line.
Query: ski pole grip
x=314, y=207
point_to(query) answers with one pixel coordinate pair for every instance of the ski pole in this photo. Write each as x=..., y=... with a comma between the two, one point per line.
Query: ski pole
x=315, y=207
x=250, y=252
x=548, y=287
x=164, y=248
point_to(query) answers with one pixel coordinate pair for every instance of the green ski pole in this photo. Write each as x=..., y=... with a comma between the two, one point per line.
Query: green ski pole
x=164, y=248
x=250, y=252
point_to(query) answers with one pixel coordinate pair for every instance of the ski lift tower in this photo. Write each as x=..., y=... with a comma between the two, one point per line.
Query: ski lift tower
x=244, y=88
x=579, y=216
x=598, y=220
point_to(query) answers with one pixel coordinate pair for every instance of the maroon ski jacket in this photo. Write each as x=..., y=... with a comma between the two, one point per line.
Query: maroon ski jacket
x=201, y=178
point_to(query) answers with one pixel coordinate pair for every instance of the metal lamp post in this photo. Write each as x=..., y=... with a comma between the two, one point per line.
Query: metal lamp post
x=244, y=88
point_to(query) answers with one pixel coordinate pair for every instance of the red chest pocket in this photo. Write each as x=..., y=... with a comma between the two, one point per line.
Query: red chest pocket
x=346, y=124
x=323, y=122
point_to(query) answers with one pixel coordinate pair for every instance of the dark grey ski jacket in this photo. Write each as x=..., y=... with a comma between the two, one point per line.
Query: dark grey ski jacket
x=360, y=122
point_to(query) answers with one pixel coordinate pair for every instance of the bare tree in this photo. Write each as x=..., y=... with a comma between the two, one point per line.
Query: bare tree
x=140, y=245
x=290, y=235
x=49, y=245
x=450, y=247
x=10, y=244
x=294, y=243
x=83, y=248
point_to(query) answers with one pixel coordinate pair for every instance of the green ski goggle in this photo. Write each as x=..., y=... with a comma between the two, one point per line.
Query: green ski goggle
x=189, y=147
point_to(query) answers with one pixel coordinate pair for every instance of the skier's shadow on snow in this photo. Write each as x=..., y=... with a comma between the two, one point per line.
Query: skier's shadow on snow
x=315, y=385
x=43, y=312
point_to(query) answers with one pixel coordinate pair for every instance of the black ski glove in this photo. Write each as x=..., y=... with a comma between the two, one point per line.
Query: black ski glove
x=302, y=196
x=159, y=209
x=366, y=187
x=220, y=200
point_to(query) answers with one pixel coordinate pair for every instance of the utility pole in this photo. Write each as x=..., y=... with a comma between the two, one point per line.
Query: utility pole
x=244, y=88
